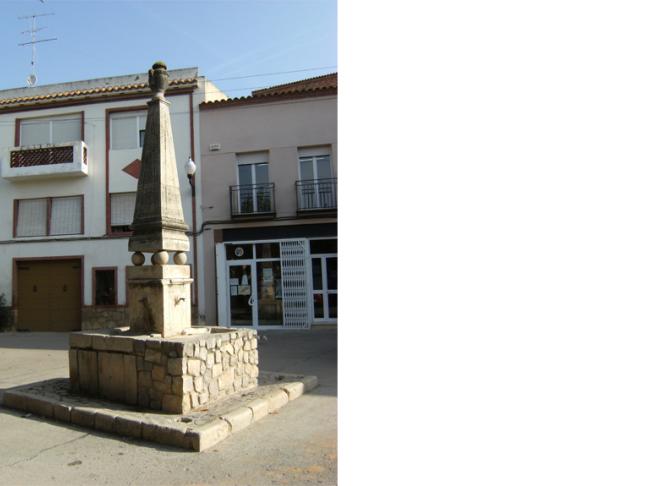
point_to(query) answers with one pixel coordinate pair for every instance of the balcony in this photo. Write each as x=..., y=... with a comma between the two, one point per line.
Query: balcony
x=252, y=200
x=317, y=195
x=46, y=161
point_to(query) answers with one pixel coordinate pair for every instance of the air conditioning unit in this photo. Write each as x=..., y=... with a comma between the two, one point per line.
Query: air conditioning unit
x=214, y=147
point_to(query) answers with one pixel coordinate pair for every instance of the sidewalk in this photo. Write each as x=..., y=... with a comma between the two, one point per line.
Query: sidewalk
x=295, y=446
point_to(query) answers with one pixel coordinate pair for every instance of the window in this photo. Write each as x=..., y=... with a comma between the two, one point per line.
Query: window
x=122, y=209
x=314, y=163
x=127, y=130
x=253, y=177
x=52, y=130
x=49, y=216
x=316, y=188
x=105, y=286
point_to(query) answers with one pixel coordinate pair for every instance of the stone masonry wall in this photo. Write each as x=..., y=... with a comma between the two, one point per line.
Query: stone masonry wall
x=175, y=375
x=102, y=317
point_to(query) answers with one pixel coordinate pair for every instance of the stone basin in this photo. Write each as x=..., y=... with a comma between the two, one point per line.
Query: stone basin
x=174, y=374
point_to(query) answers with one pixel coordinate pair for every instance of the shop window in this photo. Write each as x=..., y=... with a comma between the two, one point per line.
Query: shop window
x=50, y=216
x=267, y=250
x=105, y=286
x=332, y=277
x=333, y=306
x=325, y=287
x=323, y=246
x=239, y=252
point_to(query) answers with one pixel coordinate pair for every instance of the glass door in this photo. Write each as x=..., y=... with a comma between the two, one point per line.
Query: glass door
x=242, y=302
x=269, y=293
x=256, y=293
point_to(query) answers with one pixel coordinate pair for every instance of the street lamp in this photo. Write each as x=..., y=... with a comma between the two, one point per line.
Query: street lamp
x=190, y=169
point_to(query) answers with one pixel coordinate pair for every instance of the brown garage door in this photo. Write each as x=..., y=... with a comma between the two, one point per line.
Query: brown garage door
x=49, y=295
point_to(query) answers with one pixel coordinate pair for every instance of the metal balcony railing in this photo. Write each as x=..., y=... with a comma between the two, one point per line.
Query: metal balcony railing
x=252, y=200
x=316, y=194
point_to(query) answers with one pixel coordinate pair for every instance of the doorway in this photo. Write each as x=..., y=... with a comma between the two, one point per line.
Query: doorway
x=255, y=293
x=48, y=294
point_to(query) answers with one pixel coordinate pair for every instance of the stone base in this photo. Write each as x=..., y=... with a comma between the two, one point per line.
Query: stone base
x=197, y=430
x=174, y=375
x=159, y=299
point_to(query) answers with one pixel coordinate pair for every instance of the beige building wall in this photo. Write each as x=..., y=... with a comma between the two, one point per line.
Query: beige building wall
x=279, y=128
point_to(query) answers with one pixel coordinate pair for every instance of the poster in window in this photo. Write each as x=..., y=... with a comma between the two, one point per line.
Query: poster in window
x=233, y=290
x=244, y=290
x=278, y=290
x=268, y=292
x=267, y=275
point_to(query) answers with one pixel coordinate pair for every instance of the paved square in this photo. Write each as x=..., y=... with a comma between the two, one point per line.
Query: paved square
x=295, y=446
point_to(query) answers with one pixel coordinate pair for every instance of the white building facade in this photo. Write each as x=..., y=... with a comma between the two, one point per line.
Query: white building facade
x=69, y=162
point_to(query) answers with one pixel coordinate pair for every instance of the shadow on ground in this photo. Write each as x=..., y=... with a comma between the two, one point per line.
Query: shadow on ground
x=34, y=340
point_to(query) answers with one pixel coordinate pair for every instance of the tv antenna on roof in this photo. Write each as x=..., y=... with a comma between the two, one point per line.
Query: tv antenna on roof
x=31, y=79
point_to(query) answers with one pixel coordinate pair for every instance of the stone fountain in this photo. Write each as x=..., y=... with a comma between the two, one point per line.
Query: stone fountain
x=160, y=379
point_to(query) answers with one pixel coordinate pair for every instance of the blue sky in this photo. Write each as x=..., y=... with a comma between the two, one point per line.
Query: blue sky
x=224, y=39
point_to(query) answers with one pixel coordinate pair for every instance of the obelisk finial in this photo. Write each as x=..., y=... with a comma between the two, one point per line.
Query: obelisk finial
x=158, y=79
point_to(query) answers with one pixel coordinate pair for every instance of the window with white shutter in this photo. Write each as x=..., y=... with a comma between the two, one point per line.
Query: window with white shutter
x=50, y=130
x=122, y=209
x=65, y=216
x=31, y=217
x=127, y=130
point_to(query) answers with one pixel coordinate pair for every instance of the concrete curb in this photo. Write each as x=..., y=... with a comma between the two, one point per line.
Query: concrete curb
x=163, y=429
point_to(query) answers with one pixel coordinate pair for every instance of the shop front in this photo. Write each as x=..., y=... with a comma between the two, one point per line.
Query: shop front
x=270, y=284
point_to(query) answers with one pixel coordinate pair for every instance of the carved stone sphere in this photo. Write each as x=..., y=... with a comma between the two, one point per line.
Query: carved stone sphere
x=160, y=258
x=137, y=258
x=180, y=258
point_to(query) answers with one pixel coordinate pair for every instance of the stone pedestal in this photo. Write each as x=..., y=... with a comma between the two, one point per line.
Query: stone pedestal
x=175, y=374
x=159, y=299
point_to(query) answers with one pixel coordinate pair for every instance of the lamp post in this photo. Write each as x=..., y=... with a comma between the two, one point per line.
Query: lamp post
x=190, y=170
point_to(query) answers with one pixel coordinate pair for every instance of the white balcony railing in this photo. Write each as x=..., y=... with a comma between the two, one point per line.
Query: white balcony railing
x=68, y=159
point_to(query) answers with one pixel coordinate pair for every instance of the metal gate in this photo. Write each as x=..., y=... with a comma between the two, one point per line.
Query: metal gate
x=294, y=255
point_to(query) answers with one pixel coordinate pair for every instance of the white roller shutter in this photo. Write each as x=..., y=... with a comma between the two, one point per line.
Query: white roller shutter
x=122, y=209
x=66, y=216
x=32, y=217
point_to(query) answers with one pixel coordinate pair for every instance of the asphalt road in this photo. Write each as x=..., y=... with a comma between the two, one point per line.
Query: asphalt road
x=297, y=445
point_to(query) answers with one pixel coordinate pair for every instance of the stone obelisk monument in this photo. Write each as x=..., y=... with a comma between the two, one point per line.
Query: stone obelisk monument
x=159, y=294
